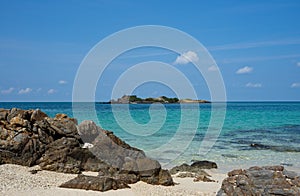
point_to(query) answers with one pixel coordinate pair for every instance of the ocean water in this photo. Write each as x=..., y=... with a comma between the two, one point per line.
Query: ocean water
x=253, y=133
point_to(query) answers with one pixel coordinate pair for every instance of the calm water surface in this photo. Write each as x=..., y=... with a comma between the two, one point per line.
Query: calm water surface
x=274, y=126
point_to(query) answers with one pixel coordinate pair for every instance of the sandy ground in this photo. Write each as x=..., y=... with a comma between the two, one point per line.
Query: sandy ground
x=18, y=180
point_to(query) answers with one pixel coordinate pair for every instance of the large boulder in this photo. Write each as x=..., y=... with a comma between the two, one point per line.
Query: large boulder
x=107, y=146
x=269, y=180
x=131, y=164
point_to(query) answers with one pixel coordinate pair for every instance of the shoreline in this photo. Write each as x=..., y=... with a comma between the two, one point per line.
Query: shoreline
x=17, y=180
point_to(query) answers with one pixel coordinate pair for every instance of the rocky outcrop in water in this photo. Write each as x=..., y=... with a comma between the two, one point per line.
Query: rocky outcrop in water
x=269, y=180
x=30, y=137
x=257, y=146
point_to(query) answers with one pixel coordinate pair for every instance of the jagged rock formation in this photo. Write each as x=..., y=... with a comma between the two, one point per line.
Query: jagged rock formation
x=30, y=137
x=269, y=180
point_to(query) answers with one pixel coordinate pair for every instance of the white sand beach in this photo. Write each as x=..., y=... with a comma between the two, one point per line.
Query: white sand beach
x=18, y=180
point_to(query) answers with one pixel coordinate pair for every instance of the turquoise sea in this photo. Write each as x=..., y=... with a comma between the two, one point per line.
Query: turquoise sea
x=254, y=133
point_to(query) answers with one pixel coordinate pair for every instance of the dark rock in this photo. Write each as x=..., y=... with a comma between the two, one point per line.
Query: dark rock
x=286, y=164
x=289, y=174
x=256, y=146
x=19, y=147
x=130, y=166
x=269, y=180
x=136, y=153
x=15, y=112
x=92, y=163
x=196, y=167
x=37, y=115
x=148, y=170
x=165, y=178
x=236, y=172
x=296, y=181
x=230, y=156
x=204, y=165
x=66, y=155
x=148, y=167
x=127, y=178
x=195, y=170
x=64, y=127
x=186, y=175
x=259, y=146
x=35, y=171
x=89, y=131
x=63, y=155
x=202, y=178
x=94, y=183
x=3, y=114
x=114, y=151
x=182, y=168
x=274, y=168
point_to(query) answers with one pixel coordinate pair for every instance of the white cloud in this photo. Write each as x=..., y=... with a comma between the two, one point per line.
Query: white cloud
x=213, y=68
x=186, y=58
x=62, y=82
x=244, y=70
x=51, y=91
x=25, y=91
x=298, y=64
x=253, y=85
x=295, y=85
x=8, y=91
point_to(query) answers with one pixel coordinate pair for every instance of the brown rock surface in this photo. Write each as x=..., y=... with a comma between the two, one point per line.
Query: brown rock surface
x=94, y=183
x=269, y=180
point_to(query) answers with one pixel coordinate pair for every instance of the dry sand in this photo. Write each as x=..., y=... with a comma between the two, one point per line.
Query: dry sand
x=18, y=180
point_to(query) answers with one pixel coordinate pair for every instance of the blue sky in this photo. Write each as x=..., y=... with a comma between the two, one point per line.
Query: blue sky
x=256, y=45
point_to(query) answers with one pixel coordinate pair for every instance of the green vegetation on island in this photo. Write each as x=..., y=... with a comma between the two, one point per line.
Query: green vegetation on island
x=133, y=99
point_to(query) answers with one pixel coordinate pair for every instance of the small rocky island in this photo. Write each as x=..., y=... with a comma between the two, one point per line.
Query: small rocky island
x=133, y=99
